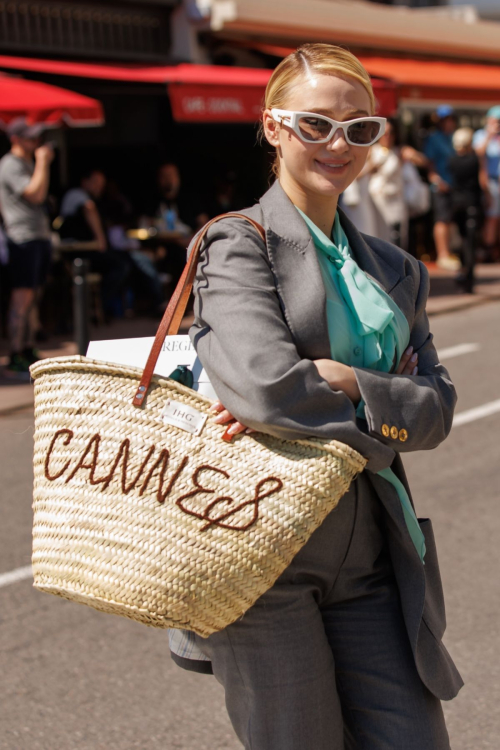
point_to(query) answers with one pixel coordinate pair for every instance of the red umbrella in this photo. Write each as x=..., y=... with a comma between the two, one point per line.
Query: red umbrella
x=41, y=103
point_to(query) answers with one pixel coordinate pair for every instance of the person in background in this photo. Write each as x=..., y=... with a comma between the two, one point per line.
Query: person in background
x=387, y=187
x=118, y=217
x=222, y=198
x=438, y=149
x=82, y=223
x=467, y=200
x=24, y=185
x=359, y=207
x=486, y=143
x=170, y=213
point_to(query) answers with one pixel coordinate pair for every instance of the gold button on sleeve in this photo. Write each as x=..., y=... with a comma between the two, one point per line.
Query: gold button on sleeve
x=403, y=436
x=385, y=430
x=394, y=432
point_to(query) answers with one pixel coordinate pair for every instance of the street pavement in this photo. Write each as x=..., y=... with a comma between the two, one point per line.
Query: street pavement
x=73, y=678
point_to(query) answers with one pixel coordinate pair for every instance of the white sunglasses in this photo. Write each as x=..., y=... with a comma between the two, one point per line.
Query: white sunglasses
x=313, y=128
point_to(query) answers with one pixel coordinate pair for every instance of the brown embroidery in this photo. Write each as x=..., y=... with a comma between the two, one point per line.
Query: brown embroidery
x=69, y=436
x=163, y=459
x=255, y=501
x=90, y=456
x=92, y=446
x=219, y=520
x=124, y=453
x=199, y=488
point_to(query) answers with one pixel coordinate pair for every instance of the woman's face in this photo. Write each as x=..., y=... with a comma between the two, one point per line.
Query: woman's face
x=324, y=169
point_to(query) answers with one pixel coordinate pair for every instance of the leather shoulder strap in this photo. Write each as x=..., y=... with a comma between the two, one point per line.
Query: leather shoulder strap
x=176, y=308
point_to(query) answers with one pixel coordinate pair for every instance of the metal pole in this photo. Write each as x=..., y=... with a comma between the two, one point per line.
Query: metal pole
x=81, y=305
x=470, y=249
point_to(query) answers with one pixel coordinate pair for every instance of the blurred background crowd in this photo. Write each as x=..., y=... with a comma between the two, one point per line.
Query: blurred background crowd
x=128, y=194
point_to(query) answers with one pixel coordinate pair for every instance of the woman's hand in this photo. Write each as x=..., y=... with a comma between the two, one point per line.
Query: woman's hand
x=409, y=363
x=342, y=378
x=225, y=417
x=339, y=377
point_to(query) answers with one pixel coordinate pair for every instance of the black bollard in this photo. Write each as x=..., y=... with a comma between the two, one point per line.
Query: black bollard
x=469, y=250
x=81, y=305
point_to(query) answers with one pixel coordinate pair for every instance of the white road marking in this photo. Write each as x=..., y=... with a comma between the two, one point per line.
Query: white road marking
x=477, y=413
x=19, y=574
x=458, y=350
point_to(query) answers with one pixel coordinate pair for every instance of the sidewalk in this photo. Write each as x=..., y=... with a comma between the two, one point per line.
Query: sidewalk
x=444, y=297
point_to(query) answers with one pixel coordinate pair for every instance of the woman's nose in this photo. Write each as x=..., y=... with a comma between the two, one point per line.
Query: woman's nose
x=338, y=142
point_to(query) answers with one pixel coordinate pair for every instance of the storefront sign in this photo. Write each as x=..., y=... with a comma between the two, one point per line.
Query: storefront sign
x=202, y=103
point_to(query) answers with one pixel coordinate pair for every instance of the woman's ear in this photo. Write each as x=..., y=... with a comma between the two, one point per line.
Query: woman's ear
x=271, y=128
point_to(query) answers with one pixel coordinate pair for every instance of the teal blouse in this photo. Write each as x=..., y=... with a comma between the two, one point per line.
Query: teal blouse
x=366, y=329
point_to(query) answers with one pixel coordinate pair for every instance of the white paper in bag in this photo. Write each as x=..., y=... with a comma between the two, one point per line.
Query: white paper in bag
x=176, y=351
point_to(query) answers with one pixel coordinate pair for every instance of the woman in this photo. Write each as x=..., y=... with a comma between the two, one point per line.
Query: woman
x=387, y=185
x=323, y=333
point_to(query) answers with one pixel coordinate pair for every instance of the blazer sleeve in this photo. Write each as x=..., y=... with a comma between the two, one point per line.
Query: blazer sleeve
x=247, y=349
x=419, y=407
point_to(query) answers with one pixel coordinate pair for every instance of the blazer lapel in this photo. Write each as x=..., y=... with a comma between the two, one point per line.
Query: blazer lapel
x=298, y=276
x=368, y=255
x=371, y=263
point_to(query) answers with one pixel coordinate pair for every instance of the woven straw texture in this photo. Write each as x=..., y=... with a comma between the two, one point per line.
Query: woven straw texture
x=143, y=519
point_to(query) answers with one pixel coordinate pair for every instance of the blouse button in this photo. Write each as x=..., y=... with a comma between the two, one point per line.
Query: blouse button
x=357, y=351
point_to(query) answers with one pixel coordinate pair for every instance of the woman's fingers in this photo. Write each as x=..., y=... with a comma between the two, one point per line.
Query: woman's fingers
x=404, y=360
x=411, y=365
x=233, y=430
x=224, y=417
x=217, y=407
x=408, y=363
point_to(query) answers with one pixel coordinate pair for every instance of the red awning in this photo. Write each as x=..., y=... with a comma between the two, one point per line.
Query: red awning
x=439, y=81
x=198, y=93
x=435, y=73
x=41, y=103
x=184, y=73
x=425, y=79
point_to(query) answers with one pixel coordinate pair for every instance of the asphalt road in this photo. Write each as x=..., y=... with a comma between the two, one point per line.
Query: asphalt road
x=72, y=678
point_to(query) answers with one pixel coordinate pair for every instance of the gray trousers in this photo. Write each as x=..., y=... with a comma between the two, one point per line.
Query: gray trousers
x=322, y=661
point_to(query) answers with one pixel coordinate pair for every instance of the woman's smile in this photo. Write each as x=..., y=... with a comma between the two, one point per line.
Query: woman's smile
x=333, y=167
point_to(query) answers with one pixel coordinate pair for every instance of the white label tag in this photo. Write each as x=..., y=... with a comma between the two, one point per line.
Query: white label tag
x=185, y=417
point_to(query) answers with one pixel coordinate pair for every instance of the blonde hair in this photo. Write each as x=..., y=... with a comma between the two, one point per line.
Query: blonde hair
x=462, y=138
x=306, y=60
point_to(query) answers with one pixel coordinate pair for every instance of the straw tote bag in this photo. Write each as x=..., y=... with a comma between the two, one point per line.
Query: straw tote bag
x=141, y=510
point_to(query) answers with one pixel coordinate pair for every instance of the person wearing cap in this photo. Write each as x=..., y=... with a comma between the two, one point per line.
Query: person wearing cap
x=24, y=185
x=487, y=146
x=438, y=148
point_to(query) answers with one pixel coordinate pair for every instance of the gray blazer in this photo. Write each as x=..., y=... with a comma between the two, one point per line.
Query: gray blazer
x=260, y=320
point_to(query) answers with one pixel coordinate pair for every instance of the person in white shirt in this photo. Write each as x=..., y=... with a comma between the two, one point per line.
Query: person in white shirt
x=387, y=186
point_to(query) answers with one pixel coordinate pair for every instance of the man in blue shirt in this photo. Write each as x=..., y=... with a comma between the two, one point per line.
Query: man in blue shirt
x=439, y=148
x=487, y=146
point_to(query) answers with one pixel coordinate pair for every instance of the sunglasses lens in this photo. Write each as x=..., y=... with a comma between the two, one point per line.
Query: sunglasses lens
x=363, y=132
x=314, y=128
